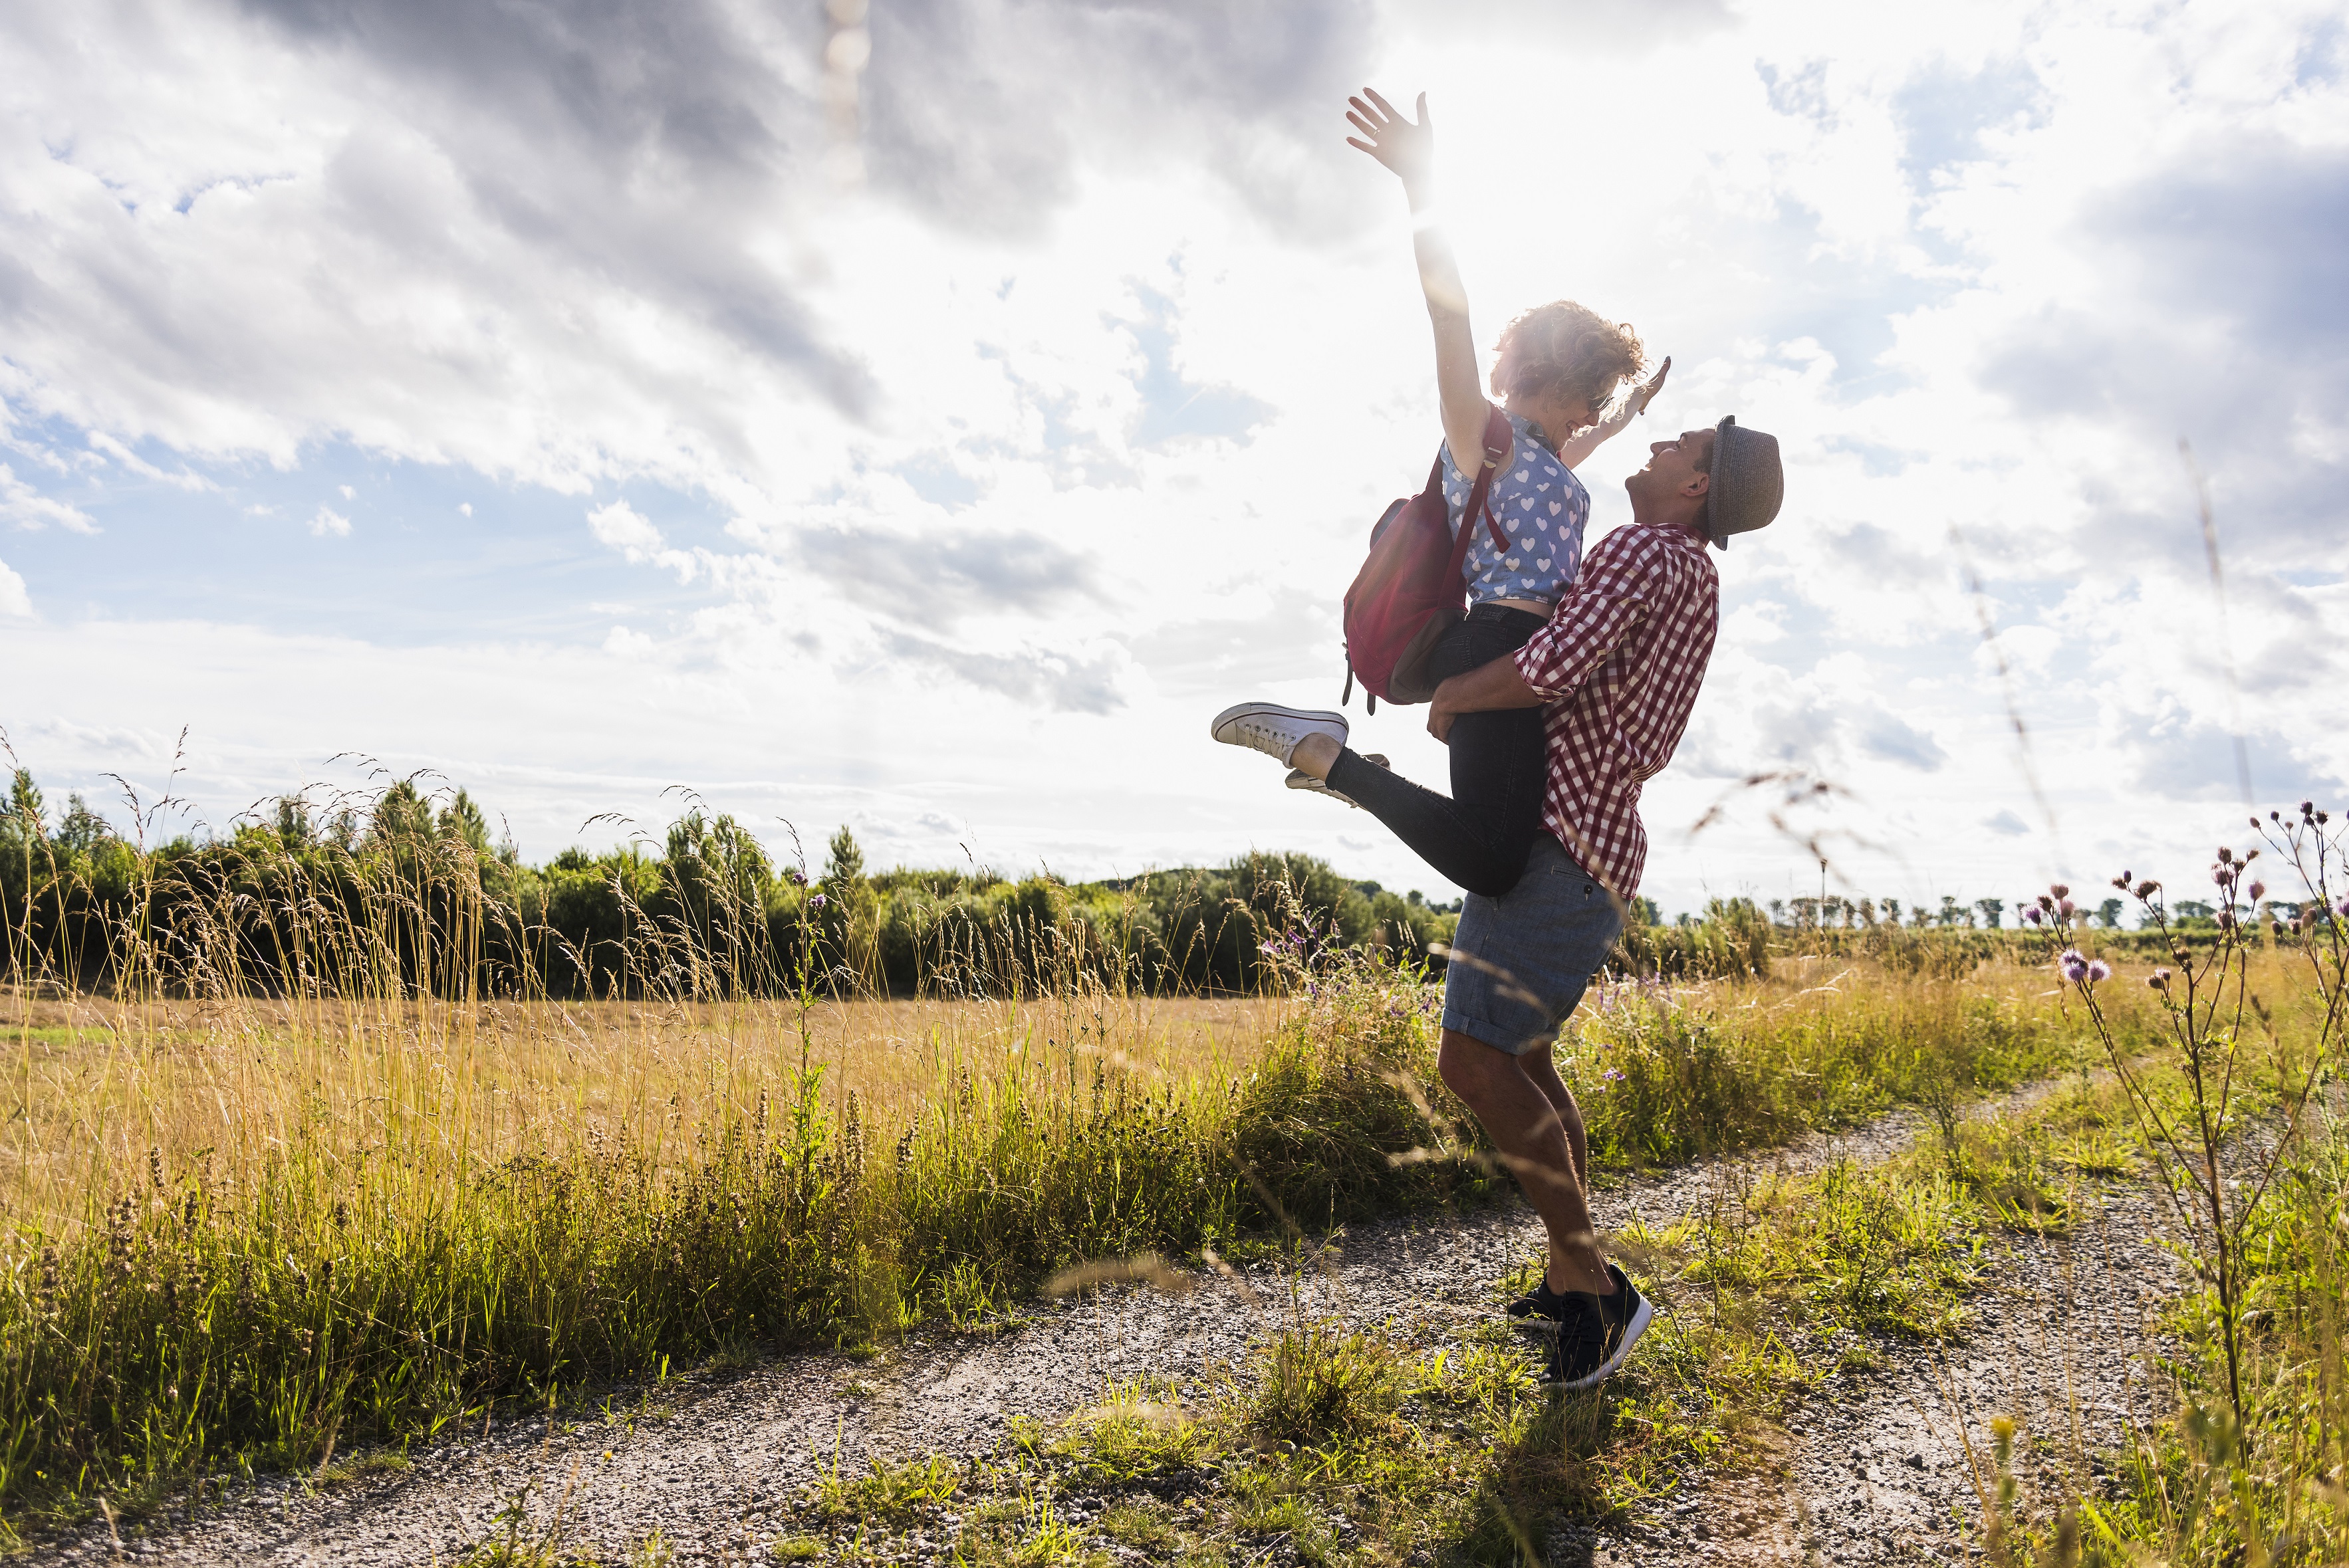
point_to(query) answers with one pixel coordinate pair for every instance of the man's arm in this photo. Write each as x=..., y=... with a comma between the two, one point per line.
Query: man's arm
x=1480, y=690
x=1609, y=600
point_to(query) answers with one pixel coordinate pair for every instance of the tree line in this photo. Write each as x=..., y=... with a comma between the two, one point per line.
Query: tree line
x=406, y=892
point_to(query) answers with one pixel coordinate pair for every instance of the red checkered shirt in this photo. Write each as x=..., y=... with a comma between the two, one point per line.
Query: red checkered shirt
x=1619, y=664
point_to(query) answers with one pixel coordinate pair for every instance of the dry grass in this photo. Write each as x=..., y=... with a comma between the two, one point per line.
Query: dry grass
x=96, y=1089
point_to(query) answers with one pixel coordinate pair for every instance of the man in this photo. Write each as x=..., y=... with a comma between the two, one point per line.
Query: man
x=1617, y=667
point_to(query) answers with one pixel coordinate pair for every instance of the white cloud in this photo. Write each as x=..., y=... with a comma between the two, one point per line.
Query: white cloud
x=330, y=522
x=624, y=528
x=26, y=507
x=16, y=598
x=180, y=478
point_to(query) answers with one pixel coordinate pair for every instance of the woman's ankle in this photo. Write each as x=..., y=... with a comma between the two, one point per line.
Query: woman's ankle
x=1315, y=755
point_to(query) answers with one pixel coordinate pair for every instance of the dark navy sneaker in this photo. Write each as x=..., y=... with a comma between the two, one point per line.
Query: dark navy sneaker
x=1539, y=1306
x=1595, y=1332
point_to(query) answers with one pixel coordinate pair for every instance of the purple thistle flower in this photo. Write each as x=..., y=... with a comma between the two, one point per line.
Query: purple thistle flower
x=2222, y=875
x=2341, y=909
x=2074, y=963
x=817, y=900
x=2257, y=891
x=2031, y=915
x=2098, y=970
x=2064, y=908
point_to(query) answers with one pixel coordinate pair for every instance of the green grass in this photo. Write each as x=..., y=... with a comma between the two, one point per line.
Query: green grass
x=332, y=1298
x=1328, y=1445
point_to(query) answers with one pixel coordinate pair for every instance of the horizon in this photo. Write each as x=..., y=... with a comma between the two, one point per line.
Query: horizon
x=1799, y=911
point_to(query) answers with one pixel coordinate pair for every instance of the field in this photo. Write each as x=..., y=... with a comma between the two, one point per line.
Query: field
x=267, y=1205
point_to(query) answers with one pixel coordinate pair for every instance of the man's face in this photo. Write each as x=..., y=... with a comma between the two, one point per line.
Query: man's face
x=1672, y=468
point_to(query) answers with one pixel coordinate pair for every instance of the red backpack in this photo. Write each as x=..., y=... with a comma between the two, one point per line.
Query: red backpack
x=1410, y=591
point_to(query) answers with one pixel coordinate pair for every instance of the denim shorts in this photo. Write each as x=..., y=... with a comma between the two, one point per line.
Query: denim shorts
x=1520, y=962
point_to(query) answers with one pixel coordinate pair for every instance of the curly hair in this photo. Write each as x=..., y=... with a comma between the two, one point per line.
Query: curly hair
x=1564, y=349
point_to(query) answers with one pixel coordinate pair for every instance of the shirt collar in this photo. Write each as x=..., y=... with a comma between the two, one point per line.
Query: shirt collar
x=1528, y=428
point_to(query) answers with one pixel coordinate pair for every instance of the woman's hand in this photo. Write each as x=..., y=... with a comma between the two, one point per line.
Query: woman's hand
x=1646, y=392
x=1403, y=146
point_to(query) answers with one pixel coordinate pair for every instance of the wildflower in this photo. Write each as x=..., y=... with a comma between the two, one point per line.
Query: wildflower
x=2122, y=882
x=2059, y=890
x=2073, y=965
x=817, y=900
x=2222, y=874
x=2342, y=908
x=2159, y=979
x=2064, y=908
x=2257, y=891
x=2098, y=970
x=2031, y=915
x=2146, y=888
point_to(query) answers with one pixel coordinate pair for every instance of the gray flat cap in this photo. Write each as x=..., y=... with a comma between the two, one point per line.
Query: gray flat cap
x=1747, y=483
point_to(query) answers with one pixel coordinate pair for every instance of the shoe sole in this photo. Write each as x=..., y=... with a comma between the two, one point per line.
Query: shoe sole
x=1303, y=714
x=1300, y=780
x=1641, y=1316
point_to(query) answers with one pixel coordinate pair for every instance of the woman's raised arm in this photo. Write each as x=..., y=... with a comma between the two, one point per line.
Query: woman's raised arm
x=1408, y=148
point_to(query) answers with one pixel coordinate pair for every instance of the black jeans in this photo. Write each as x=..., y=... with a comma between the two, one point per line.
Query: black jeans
x=1480, y=835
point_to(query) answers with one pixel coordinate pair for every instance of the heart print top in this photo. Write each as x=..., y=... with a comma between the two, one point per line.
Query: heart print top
x=1540, y=505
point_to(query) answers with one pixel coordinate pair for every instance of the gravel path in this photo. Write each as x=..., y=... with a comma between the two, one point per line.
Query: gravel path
x=713, y=1461
x=1878, y=1472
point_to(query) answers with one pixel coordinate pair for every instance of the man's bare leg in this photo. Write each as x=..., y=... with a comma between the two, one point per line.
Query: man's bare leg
x=1541, y=1067
x=1526, y=1128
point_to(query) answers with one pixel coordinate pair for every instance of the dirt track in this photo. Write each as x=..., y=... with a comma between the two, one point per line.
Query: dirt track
x=1877, y=1472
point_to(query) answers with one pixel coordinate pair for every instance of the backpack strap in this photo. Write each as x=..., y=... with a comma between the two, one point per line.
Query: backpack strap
x=1499, y=436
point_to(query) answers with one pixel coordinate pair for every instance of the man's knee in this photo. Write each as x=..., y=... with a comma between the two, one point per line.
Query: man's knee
x=1486, y=1077
x=1467, y=1064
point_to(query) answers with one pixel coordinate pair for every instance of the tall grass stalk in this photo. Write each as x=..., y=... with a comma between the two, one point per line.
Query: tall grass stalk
x=2235, y=1108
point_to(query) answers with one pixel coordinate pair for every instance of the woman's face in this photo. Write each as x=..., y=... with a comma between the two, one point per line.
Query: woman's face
x=1565, y=416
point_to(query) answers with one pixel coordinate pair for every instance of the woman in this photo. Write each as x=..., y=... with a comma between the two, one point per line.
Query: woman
x=1558, y=365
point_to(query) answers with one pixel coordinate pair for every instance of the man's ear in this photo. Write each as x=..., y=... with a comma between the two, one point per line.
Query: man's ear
x=1699, y=484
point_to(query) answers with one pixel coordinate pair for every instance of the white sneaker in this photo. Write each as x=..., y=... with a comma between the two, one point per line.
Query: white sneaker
x=1274, y=730
x=1300, y=780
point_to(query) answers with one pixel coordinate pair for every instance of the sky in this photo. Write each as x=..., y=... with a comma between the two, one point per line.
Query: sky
x=925, y=418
